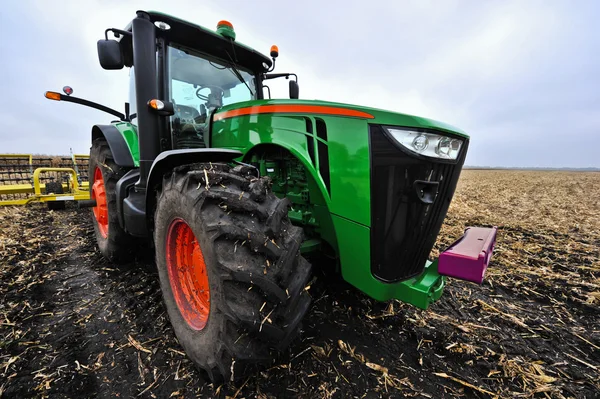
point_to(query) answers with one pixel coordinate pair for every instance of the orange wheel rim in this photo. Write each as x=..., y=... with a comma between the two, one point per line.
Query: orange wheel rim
x=187, y=274
x=101, y=208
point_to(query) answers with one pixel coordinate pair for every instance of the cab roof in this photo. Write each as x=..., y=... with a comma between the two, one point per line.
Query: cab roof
x=209, y=42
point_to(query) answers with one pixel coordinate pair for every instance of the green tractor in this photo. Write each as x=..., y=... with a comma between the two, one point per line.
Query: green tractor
x=235, y=191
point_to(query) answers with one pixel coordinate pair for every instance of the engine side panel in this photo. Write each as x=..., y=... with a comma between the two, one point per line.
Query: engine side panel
x=334, y=151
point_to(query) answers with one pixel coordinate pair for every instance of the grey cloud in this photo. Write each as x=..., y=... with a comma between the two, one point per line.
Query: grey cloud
x=520, y=77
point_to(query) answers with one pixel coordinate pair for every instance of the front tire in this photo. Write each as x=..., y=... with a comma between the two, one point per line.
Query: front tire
x=230, y=268
x=113, y=242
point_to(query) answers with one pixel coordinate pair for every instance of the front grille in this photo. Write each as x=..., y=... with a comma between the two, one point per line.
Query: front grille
x=403, y=227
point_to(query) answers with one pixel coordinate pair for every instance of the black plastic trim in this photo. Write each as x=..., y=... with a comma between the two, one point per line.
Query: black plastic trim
x=116, y=142
x=310, y=141
x=208, y=135
x=206, y=41
x=123, y=185
x=168, y=160
x=410, y=196
x=321, y=129
x=162, y=70
x=134, y=213
x=323, y=151
x=146, y=88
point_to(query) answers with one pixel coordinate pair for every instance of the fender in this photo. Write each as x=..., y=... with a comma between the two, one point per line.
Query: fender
x=168, y=160
x=116, y=142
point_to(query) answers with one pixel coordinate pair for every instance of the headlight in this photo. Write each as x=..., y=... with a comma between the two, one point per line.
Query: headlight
x=427, y=144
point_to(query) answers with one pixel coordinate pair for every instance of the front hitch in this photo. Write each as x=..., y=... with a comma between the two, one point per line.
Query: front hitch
x=466, y=259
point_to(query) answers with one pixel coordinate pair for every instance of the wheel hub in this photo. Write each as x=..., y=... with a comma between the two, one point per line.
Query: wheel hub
x=101, y=208
x=187, y=274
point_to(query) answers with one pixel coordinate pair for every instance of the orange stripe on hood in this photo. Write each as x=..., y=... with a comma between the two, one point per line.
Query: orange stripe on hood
x=294, y=109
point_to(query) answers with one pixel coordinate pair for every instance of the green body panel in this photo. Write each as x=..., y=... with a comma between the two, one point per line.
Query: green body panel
x=346, y=215
x=381, y=116
x=130, y=135
x=348, y=147
x=355, y=257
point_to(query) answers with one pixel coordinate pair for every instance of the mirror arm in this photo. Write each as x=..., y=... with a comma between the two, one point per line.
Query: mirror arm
x=272, y=66
x=268, y=89
x=97, y=106
x=279, y=75
x=116, y=32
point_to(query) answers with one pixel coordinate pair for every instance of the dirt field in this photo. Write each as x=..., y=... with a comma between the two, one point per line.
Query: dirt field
x=74, y=325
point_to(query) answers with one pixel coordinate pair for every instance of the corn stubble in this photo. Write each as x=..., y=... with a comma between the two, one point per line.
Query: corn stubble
x=71, y=322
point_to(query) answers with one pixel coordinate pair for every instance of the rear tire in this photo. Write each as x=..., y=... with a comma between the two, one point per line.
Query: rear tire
x=250, y=254
x=55, y=187
x=113, y=242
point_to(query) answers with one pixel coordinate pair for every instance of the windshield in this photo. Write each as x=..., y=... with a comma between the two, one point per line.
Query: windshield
x=197, y=86
x=197, y=80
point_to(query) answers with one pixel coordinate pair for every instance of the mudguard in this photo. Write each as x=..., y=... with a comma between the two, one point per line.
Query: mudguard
x=116, y=142
x=168, y=160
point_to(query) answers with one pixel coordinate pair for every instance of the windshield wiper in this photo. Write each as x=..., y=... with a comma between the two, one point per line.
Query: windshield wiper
x=239, y=76
x=234, y=70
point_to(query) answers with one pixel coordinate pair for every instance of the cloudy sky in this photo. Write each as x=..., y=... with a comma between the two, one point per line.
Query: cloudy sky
x=521, y=77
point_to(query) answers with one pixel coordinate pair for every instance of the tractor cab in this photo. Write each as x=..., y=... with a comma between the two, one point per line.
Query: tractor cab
x=198, y=71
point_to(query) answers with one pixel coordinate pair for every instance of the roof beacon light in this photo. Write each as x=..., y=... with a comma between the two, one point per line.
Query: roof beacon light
x=225, y=29
x=274, y=54
x=274, y=51
x=68, y=90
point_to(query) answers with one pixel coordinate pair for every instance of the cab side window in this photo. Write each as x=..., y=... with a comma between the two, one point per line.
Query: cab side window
x=132, y=102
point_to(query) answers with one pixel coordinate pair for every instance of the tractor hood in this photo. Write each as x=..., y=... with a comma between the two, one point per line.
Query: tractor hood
x=305, y=107
x=371, y=189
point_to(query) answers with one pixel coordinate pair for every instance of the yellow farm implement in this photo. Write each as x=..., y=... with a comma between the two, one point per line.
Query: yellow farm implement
x=25, y=178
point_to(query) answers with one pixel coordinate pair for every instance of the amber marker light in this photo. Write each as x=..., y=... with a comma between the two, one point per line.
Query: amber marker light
x=156, y=104
x=52, y=95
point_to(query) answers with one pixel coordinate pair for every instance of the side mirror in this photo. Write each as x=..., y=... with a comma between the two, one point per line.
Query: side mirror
x=109, y=54
x=294, y=89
